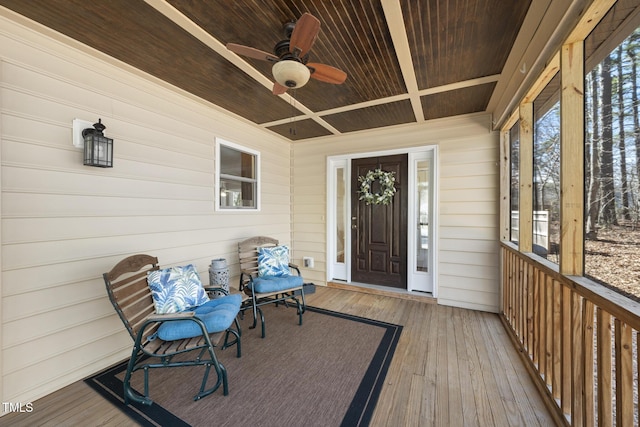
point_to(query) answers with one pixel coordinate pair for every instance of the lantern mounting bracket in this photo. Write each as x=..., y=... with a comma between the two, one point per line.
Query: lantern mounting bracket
x=78, y=126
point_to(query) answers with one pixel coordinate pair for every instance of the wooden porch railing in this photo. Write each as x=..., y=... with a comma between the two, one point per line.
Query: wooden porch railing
x=580, y=340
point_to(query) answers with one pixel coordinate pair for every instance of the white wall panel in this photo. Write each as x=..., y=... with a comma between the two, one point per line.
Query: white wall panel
x=64, y=224
x=468, y=201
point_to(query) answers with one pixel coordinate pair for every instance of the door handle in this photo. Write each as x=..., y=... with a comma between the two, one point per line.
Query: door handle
x=354, y=227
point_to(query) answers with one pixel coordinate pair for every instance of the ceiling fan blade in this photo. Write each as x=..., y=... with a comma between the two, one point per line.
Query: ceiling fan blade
x=326, y=73
x=251, y=52
x=279, y=89
x=304, y=35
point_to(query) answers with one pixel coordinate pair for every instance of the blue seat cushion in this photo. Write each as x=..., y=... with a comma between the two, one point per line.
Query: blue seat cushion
x=274, y=284
x=217, y=314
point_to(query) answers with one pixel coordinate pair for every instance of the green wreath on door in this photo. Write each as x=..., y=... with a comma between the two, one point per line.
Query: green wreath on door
x=387, y=182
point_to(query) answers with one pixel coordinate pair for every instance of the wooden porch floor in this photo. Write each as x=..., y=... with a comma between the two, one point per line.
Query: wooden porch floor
x=452, y=367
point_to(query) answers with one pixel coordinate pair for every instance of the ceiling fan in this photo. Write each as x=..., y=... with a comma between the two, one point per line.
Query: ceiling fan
x=291, y=68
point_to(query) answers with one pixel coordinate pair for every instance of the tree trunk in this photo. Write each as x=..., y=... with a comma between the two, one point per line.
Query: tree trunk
x=622, y=145
x=631, y=51
x=593, y=161
x=608, y=190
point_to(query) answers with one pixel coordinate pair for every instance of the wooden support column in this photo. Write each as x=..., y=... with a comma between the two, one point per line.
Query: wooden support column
x=526, y=178
x=505, y=186
x=571, y=159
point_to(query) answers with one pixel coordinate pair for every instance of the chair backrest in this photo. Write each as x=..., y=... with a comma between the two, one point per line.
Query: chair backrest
x=129, y=292
x=248, y=254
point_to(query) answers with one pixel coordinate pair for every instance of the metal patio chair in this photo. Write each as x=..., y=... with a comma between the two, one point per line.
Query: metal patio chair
x=268, y=289
x=209, y=326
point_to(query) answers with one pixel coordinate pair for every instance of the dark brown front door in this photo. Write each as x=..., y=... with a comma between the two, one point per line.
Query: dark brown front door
x=379, y=232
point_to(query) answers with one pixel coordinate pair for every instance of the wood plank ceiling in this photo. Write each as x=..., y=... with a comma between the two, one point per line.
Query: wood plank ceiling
x=407, y=60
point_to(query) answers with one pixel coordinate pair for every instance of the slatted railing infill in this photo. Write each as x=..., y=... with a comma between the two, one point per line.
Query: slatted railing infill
x=580, y=338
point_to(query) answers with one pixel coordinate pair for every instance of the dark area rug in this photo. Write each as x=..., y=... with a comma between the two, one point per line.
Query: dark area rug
x=327, y=372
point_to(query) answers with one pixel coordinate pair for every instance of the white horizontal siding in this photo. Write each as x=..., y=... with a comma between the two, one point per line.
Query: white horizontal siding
x=64, y=224
x=468, y=201
x=468, y=257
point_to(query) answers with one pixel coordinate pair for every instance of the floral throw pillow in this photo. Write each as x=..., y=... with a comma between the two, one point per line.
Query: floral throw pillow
x=176, y=289
x=273, y=262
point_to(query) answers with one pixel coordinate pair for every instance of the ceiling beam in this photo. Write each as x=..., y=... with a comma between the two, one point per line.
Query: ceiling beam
x=395, y=22
x=460, y=85
x=199, y=33
x=390, y=99
x=214, y=44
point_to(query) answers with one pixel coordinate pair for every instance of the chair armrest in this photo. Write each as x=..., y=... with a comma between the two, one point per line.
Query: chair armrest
x=171, y=316
x=295, y=267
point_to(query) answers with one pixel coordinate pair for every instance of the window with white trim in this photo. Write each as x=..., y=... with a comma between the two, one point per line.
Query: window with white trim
x=237, y=177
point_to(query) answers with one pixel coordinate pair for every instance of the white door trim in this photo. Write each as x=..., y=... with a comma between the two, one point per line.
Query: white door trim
x=343, y=272
x=419, y=280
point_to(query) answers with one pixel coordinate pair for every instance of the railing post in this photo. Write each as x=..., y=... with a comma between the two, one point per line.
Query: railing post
x=531, y=297
x=549, y=330
x=588, y=408
x=605, y=407
x=565, y=350
x=578, y=358
x=557, y=341
x=624, y=374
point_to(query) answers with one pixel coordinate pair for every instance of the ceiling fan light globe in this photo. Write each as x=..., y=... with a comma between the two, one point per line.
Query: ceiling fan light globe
x=291, y=74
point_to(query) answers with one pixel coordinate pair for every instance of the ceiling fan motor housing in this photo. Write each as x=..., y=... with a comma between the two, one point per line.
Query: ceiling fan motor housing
x=281, y=49
x=291, y=73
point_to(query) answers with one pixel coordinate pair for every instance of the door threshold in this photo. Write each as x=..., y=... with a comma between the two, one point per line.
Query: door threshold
x=383, y=290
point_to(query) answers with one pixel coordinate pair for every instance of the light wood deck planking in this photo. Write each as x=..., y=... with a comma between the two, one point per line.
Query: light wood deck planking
x=452, y=367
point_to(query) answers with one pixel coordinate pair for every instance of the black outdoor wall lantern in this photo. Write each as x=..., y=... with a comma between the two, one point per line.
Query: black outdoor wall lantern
x=98, y=149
